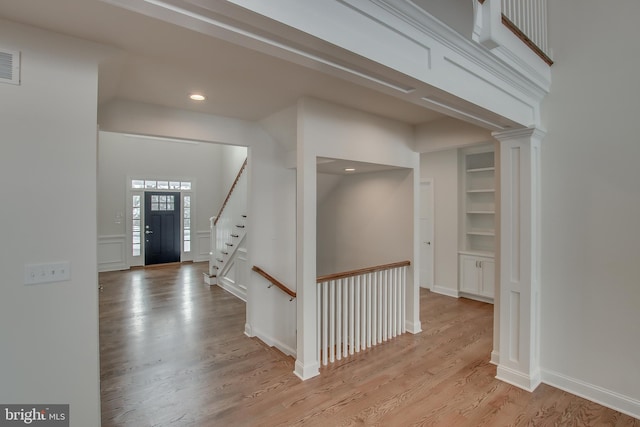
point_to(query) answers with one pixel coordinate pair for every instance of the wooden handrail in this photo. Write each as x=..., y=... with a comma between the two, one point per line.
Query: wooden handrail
x=526, y=40
x=274, y=281
x=235, y=182
x=358, y=272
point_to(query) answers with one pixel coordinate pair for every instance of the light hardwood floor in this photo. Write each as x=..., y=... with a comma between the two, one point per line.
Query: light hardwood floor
x=173, y=353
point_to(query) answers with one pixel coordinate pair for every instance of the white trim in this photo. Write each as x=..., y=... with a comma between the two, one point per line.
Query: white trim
x=184, y=256
x=112, y=255
x=610, y=399
x=445, y=291
x=231, y=287
x=495, y=358
x=432, y=215
x=272, y=342
x=518, y=379
x=481, y=298
x=248, y=330
x=533, y=82
x=203, y=239
x=413, y=327
x=306, y=372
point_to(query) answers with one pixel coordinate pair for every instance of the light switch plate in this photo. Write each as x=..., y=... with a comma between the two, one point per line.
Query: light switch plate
x=47, y=272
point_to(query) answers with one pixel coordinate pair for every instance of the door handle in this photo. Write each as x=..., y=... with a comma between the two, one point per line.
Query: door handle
x=428, y=243
x=148, y=232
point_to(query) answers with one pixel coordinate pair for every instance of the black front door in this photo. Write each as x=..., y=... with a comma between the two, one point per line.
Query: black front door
x=161, y=227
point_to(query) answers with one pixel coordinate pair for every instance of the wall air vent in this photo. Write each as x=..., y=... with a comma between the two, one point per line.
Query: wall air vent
x=9, y=67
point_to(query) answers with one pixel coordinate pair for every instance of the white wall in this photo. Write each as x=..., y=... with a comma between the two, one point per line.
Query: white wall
x=447, y=133
x=591, y=202
x=121, y=156
x=272, y=245
x=458, y=14
x=365, y=221
x=230, y=163
x=49, y=333
x=442, y=168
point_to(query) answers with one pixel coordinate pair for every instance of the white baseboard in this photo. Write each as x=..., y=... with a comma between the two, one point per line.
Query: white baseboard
x=610, y=399
x=475, y=297
x=445, y=291
x=413, y=327
x=248, y=331
x=272, y=342
x=232, y=288
x=495, y=358
x=518, y=379
x=306, y=372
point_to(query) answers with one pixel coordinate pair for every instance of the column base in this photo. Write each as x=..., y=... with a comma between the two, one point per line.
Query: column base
x=306, y=372
x=519, y=379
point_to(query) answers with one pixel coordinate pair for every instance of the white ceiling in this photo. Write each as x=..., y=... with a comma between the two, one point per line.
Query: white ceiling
x=338, y=166
x=162, y=63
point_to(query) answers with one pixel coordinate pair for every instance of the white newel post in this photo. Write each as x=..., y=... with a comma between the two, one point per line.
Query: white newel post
x=519, y=302
x=212, y=245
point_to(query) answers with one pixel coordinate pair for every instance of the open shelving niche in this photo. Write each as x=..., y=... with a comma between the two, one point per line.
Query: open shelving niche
x=477, y=221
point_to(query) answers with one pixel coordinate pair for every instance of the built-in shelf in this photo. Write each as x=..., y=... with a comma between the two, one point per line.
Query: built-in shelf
x=474, y=170
x=484, y=190
x=481, y=212
x=481, y=232
x=478, y=198
x=488, y=254
x=477, y=222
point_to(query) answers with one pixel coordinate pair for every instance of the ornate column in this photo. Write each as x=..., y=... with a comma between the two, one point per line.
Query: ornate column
x=519, y=293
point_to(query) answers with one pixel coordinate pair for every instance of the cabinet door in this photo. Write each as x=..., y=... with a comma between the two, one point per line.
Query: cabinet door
x=488, y=280
x=469, y=274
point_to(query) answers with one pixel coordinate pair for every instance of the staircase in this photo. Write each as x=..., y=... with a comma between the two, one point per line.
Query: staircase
x=227, y=256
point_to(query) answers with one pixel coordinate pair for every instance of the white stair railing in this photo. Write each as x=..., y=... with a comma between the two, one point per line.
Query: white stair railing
x=228, y=228
x=360, y=309
x=530, y=18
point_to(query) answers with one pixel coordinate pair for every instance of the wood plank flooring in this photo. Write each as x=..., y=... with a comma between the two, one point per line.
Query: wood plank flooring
x=173, y=353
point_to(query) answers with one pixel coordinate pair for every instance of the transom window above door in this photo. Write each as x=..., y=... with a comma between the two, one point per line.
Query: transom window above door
x=152, y=184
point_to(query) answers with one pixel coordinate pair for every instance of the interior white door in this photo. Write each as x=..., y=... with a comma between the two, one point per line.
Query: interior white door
x=426, y=235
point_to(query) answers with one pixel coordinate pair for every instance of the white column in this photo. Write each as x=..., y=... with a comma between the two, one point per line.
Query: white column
x=519, y=346
x=307, y=363
x=412, y=290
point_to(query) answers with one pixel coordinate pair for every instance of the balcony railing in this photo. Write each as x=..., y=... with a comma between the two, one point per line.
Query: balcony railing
x=527, y=19
x=359, y=309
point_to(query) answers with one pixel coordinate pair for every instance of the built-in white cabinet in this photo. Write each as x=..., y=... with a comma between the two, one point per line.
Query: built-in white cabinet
x=477, y=276
x=477, y=222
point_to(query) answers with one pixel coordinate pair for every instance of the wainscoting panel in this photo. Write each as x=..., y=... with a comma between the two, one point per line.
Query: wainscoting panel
x=203, y=246
x=111, y=253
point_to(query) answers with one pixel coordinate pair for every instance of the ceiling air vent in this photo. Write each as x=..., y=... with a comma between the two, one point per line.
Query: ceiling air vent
x=9, y=67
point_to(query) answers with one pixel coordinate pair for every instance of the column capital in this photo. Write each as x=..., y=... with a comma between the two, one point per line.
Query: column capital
x=531, y=133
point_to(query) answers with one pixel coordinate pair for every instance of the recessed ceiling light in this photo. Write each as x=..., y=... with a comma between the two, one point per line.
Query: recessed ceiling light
x=197, y=97
x=349, y=169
